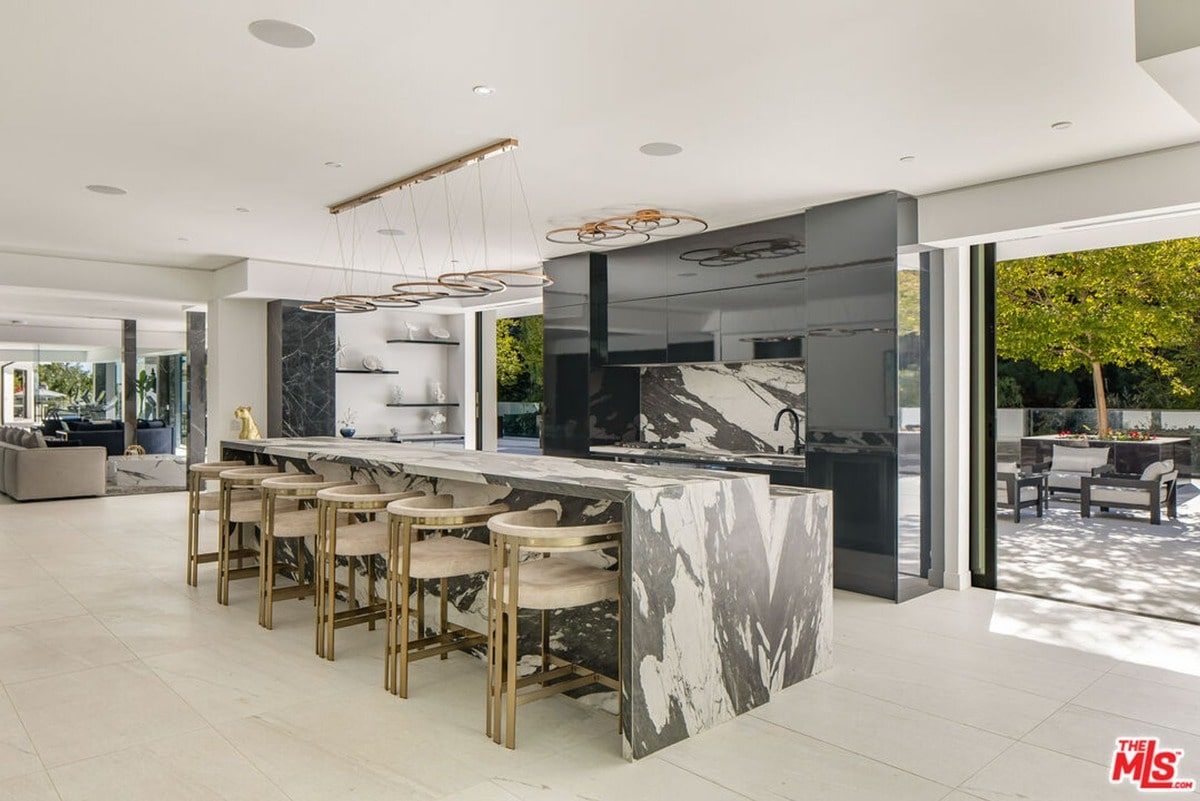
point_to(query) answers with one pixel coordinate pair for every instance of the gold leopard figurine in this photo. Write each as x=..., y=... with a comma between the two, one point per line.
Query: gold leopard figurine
x=249, y=429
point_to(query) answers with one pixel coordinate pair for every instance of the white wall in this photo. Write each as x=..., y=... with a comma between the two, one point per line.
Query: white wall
x=237, y=366
x=418, y=365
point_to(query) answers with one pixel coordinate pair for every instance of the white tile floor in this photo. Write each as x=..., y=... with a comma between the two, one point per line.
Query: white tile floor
x=120, y=682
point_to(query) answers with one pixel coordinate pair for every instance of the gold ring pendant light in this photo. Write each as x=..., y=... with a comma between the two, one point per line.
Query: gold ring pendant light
x=448, y=285
x=628, y=229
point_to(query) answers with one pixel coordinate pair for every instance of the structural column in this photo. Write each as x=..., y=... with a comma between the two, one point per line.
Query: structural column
x=129, y=379
x=197, y=359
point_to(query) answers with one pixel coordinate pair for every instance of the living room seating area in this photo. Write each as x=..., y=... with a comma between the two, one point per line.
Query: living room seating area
x=30, y=471
x=155, y=436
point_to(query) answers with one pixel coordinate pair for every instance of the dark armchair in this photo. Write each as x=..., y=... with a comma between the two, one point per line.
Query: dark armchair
x=1154, y=489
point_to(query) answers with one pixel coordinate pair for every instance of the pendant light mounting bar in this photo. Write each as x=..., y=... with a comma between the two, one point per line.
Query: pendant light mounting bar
x=436, y=171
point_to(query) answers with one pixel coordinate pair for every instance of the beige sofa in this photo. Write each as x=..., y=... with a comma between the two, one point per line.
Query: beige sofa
x=30, y=471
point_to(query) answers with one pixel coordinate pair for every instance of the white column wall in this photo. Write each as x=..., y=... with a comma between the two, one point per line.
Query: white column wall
x=487, y=390
x=237, y=366
x=954, y=373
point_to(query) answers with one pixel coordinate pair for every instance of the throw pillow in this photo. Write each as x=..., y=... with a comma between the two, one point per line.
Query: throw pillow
x=1156, y=470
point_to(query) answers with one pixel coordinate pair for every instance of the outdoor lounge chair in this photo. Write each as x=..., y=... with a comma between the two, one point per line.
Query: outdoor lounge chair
x=1069, y=466
x=1149, y=492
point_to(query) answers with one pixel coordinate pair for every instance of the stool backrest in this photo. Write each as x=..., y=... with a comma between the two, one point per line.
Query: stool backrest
x=432, y=507
x=304, y=485
x=363, y=496
x=535, y=529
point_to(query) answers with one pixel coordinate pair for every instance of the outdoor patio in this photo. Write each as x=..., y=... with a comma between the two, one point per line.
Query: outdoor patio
x=1115, y=560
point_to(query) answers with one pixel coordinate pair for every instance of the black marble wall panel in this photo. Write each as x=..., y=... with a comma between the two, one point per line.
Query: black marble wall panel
x=726, y=407
x=197, y=409
x=301, y=371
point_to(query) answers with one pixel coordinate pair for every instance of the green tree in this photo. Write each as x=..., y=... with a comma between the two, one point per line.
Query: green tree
x=509, y=366
x=1122, y=306
x=71, y=379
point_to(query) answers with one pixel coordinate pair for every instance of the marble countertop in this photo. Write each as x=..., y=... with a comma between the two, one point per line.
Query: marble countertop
x=774, y=461
x=580, y=477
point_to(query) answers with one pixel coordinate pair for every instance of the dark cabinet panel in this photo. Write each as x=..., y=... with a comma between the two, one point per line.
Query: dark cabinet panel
x=637, y=331
x=637, y=273
x=571, y=281
x=766, y=321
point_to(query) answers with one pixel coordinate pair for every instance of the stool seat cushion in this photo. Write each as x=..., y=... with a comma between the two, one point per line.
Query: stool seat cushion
x=561, y=583
x=211, y=501
x=441, y=557
x=362, y=539
x=251, y=511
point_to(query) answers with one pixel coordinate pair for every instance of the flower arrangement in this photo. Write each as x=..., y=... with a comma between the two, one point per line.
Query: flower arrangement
x=1132, y=435
x=1067, y=433
x=348, y=418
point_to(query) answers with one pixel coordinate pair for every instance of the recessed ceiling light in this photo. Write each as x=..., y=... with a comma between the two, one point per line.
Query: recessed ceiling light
x=390, y=232
x=483, y=90
x=184, y=239
x=907, y=159
x=661, y=149
x=1061, y=125
x=333, y=165
x=687, y=275
x=105, y=189
x=281, y=34
x=242, y=210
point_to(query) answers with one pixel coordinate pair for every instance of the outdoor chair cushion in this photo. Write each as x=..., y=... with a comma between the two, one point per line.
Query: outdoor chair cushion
x=1156, y=470
x=1077, y=460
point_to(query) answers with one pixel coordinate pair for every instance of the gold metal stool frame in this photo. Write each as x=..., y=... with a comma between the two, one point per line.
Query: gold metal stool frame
x=231, y=480
x=512, y=534
x=302, y=488
x=407, y=518
x=198, y=475
x=371, y=501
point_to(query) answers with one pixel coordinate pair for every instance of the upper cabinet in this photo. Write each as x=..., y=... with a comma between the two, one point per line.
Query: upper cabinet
x=735, y=294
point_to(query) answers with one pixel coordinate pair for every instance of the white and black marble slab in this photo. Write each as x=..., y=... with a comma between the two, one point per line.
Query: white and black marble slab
x=724, y=407
x=694, y=455
x=726, y=584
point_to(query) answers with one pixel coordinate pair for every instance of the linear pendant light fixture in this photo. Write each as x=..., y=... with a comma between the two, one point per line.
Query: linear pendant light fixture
x=458, y=284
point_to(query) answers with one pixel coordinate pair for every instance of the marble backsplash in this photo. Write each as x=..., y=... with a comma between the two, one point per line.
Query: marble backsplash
x=726, y=407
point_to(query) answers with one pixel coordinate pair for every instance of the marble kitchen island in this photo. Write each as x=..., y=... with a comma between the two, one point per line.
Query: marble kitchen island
x=726, y=593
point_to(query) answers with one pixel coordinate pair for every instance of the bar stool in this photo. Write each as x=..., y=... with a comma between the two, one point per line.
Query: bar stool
x=201, y=501
x=353, y=541
x=544, y=583
x=239, y=513
x=299, y=524
x=429, y=558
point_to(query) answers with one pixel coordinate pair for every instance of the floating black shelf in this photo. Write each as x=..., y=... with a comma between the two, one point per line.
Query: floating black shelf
x=422, y=342
x=371, y=372
x=422, y=404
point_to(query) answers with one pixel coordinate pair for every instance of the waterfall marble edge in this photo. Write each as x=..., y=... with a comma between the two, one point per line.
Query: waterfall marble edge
x=726, y=583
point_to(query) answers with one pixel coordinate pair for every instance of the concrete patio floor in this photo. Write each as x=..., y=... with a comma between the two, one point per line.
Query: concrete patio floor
x=1116, y=560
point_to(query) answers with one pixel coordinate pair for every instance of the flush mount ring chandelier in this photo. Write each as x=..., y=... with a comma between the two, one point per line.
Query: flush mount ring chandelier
x=777, y=248
x=448, y=285
x=628, y=229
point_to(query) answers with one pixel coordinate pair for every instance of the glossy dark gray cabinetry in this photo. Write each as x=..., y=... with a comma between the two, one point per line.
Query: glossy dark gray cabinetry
x=566, y=429
x=850, y=359
x=730, y=295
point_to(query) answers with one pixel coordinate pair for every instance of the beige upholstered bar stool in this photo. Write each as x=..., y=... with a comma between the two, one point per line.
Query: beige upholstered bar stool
x=239, y=513
x=413, y=554
x=365, y=539
x=200, y=501
x=551, y=580
x=297, y=524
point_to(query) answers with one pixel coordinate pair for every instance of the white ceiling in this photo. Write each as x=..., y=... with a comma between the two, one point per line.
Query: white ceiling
x=778, y=106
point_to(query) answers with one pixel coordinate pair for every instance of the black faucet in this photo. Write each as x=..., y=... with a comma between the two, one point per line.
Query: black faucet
x=797, y=444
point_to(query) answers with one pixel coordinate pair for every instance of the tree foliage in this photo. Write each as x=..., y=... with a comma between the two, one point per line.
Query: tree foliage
x=71, y=379
x=519, y=344
x=1125, y=306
